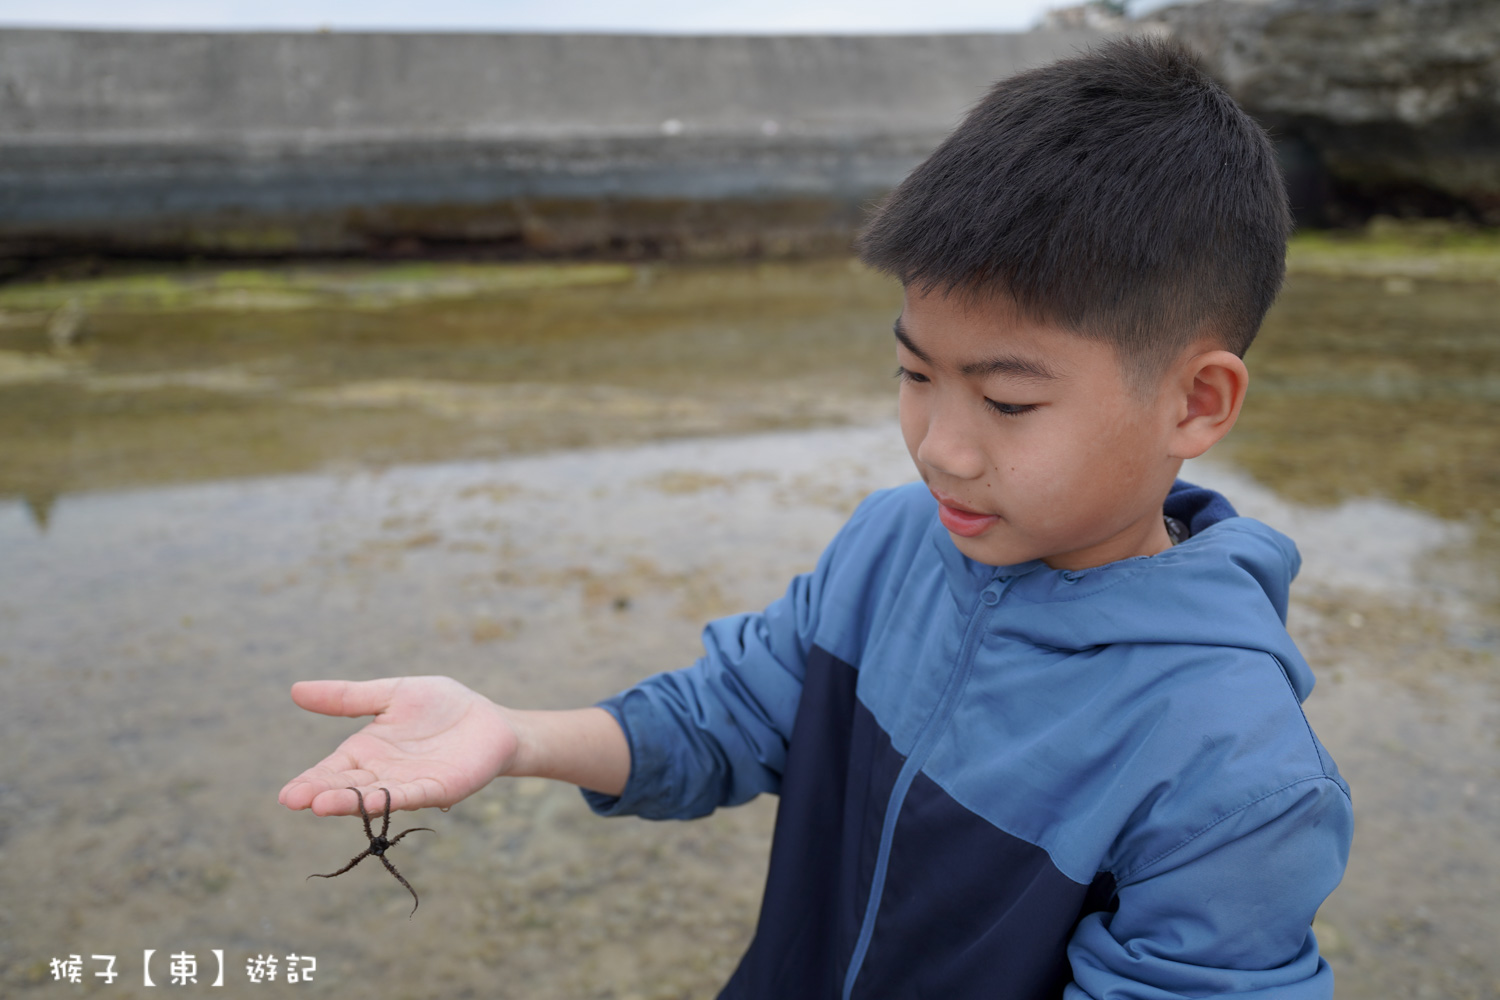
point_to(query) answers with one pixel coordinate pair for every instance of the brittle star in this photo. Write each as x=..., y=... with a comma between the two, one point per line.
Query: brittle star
x=379, y=845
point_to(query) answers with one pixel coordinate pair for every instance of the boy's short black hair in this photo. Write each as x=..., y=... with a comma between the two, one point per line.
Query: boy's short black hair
x=1121, y=194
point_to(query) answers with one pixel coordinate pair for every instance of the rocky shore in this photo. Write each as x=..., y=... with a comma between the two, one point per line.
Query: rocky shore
x=1388, y=107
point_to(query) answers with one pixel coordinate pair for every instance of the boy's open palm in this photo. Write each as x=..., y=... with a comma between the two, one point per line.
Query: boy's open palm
x=433, y=742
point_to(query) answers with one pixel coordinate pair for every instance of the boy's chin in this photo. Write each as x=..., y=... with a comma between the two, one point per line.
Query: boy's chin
x=993, y=551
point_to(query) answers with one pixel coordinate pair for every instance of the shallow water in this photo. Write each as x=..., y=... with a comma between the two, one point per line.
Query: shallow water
x=541, y=481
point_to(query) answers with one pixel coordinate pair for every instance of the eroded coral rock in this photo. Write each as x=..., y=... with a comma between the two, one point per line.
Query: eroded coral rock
x=1378, y=106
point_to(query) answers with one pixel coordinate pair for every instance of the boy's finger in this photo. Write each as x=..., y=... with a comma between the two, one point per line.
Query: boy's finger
x=343, y=801
x=301, y=790
x=329, y=789
x=299, y=793
x=324, y=801
x=346, y=698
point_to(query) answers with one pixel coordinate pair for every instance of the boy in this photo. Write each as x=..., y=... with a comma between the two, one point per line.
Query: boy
x=1035, y=721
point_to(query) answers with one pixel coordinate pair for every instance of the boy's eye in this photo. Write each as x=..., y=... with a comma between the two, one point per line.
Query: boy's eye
x=1010, y=409
x=909, y=376
x=1004, y=409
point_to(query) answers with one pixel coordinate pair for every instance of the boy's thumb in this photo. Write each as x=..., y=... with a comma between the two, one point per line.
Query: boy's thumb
x=346, y=698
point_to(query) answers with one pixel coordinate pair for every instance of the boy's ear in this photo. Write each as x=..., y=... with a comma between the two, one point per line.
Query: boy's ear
x=1209, y=389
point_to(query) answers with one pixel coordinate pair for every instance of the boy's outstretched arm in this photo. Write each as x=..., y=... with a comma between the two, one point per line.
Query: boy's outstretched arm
x=434, y=742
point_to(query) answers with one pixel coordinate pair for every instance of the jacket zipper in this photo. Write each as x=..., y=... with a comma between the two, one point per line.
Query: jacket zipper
x=926, y=740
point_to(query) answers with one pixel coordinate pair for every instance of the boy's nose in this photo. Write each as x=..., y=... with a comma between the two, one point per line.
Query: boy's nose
x=949, y=446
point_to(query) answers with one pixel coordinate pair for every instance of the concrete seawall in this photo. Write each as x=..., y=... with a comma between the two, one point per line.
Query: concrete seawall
x=179, y=143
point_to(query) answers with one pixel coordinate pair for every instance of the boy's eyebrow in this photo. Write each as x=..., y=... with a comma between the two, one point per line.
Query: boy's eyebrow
x=907, y=342
x=1008, y=365
x=1025, y=369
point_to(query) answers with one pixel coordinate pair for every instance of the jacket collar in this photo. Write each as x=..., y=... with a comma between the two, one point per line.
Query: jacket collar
x=966, y=578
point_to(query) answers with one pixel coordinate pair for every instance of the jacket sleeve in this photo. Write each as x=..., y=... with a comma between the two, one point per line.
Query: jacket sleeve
x=1228, y=911
x=715, y=734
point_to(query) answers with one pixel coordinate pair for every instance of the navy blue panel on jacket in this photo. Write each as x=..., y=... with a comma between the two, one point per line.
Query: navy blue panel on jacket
x=988, y=916
x=945, y=925
x=839, y=772
x=1014, y=781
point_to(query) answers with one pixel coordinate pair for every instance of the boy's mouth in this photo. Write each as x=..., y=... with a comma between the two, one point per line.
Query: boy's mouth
x=961, y=520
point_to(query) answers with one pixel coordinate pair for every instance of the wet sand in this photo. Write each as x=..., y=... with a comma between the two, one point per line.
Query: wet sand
x=542, y=482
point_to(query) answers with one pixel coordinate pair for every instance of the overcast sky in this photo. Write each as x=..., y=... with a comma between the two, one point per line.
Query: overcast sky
x=693, y=16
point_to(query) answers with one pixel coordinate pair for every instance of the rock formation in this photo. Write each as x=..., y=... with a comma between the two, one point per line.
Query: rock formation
x=1378, y=106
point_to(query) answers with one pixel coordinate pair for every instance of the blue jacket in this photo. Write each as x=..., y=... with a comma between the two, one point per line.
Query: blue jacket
x=1014, y=782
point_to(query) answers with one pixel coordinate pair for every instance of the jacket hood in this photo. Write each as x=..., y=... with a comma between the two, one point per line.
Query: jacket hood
x=1227, y=584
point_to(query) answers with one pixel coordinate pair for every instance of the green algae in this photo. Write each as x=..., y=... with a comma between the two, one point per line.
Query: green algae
x=1395, y=249
x=1371, y=377
x=1359, y=392
x=167, y=383
x=296, y=288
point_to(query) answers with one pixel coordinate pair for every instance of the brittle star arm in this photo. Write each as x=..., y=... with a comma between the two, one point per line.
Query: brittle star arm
x=361, y=856
x=392, y=869
x=416, y=829
x=366, y=816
